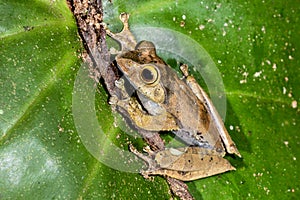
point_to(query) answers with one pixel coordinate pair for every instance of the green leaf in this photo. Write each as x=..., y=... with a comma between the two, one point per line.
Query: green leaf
x=255, y=46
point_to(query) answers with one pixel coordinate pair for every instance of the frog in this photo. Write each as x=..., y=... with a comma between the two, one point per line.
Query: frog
x=163, y=101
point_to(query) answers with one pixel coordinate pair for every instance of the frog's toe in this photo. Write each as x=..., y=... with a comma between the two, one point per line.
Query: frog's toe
x=185, y=70
x=145, y=174
x=124, y=17
x=148, y=150
x=119, y=83
x=113, y=100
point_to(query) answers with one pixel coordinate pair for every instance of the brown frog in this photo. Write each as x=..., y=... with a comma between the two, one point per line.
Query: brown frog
x=165, y=102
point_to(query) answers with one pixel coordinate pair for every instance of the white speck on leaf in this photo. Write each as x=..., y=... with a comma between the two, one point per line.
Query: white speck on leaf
x=263, y=29
x=201, y=27
x=224, y=33
x=267, y=190
x=245, y=74
x=284, y=90
x=294, y=104
x=257, y=74
x=274, y=67
x=243, y=81
x=182, y=24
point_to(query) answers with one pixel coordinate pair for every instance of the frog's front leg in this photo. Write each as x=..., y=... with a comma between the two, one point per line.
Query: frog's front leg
x=163, y=121
x=216, y=119
x=146, y=121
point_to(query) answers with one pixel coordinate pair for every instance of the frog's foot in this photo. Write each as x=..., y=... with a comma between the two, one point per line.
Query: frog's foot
x=185, y=70
x=149, y=159
x=114, y=100
x=146, y=175
x=121, y=85
x=125, y=37
x=148, y=150
x=124, y=17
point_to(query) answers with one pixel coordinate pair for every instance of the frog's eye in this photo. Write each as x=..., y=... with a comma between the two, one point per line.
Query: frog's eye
x=149, y=74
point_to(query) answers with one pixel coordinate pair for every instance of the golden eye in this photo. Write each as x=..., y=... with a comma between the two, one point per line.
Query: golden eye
x=150, y=74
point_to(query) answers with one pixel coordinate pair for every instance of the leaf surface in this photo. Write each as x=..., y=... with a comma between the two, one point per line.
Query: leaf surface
x=255, y=46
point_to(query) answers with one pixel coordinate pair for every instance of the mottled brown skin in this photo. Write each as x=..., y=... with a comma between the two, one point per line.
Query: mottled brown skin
x=180, y=110
x=164, y=102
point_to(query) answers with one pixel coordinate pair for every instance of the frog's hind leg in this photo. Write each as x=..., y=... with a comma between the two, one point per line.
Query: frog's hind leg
x=216, y=119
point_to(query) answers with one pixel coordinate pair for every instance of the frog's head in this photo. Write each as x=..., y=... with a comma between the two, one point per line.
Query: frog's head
x=141, y=68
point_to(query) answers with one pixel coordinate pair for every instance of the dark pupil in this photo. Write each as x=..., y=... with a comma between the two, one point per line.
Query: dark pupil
x=147, y=75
